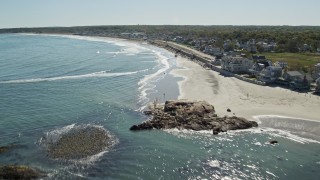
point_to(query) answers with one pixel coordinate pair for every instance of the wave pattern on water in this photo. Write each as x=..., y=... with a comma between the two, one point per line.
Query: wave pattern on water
x=90, y=75
x=147, y=83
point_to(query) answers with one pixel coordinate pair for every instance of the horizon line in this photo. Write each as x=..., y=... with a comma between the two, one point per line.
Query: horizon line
x=155, y=25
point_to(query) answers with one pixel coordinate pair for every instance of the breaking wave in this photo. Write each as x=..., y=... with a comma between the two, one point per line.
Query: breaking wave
x=99, y=74
x=147, y=83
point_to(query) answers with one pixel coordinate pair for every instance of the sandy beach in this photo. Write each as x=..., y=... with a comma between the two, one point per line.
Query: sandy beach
x=243, y=98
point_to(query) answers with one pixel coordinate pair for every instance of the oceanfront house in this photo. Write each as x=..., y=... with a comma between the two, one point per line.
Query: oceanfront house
x=316, y=72
x=213, y=50
x=293, y=76
x=297, y=80
x=270, y=74
x=318, y=85
x=259, y=63
x=216, y=62
x=236, y=64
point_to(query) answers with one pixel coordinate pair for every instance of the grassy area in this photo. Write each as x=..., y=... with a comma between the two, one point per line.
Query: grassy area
x=294, y=59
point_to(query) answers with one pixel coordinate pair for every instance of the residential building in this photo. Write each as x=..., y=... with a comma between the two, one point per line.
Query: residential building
x=298, y=80
x=293, y=76
x=251, y=46
x=316, y=73
x=236, y=64
x=213, y=50
x=318, y=85
x=281, y=64
x=260, y=63
x=270, y=74
x=178, y=39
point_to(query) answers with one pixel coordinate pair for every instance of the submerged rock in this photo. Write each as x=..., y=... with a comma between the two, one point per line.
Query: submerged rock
x=4, y=149
x=19, y=172
x=80, y=142
x=194, y=115
x=273, y=142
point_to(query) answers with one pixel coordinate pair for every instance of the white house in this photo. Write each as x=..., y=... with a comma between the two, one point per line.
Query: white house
x=236, y=64
x=270, y=74
x=281, y=64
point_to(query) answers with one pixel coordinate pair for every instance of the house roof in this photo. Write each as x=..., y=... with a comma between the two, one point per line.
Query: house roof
x=275, y=67
x=294, y=73
x=258, y=57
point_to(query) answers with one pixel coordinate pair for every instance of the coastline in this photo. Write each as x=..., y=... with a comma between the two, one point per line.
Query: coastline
x=244, y=99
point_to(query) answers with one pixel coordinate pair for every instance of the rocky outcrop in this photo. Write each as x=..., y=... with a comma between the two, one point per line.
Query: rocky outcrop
x=19, y=172
x=194, y=115
x=80, y=142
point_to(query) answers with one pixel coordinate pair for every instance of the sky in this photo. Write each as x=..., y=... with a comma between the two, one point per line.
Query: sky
x=51, y=13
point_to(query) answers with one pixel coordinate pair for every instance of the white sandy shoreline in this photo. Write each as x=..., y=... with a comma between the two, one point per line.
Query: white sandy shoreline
x=243, y=98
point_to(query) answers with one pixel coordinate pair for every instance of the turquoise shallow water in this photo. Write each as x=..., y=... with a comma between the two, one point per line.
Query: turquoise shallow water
x=51, y=83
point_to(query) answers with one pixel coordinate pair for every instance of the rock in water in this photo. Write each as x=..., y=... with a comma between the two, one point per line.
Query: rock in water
x=273, y=142
x=4, y=149
x=80, y=142
x=19, y=172
x=195, y=115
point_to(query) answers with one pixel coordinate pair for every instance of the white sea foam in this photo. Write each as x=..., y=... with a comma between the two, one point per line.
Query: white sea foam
x=54, y=135
x=222, y=136
x=147, y=83
x=268, y=172
x=214, y=163
x=297, y=129
x=99, y=74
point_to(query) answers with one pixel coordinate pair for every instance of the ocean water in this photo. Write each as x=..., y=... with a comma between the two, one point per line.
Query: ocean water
x=51, y=84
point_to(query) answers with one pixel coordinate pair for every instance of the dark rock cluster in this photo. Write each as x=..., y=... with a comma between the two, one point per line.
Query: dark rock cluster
x=80, y=142
x=19, y=172
x=194, y=115
x=4, y=149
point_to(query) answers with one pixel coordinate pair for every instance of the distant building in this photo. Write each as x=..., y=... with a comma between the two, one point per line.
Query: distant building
x=270, y=74
x=318, y=85
x=212, y=50
x=259, y=63
x=227, y=45
x=178, y=39
x=298, y=80
x=257, y=58
x=305, y=48
x=293, y=76
x=316, y=73
x=236, y=64
x=281, y=64
x=251, y=46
